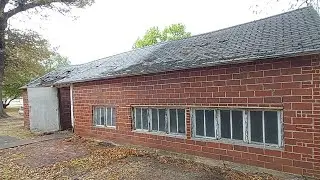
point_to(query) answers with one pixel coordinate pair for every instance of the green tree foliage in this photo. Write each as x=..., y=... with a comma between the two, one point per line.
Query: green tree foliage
x=55, y=61
x=9, y=8
x=154, y=35
x=27, y=56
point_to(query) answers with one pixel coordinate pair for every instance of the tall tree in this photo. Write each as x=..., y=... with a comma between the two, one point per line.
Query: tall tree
x=27, y=56
x=55, y=61
x=154, y=35
x=9, y=8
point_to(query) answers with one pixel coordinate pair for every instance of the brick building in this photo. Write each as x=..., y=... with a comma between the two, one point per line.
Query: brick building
x=248, y=94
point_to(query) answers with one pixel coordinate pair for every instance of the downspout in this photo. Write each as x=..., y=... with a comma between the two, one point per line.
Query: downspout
x=71, y=102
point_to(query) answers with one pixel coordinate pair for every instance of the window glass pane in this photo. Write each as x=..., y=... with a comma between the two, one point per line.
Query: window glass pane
x=162, y=120
x=173, y=121
x=113, y=122
x=199, y=123
x=181, y=121
x=109, y=118
x=96, y=116
x=237, y=125
x=210, y=130
x=138, y=118
x=103, y=116
x=145, y=119
x=154, y=119
x=225, y=124
x=256, y=126
x=271, y=126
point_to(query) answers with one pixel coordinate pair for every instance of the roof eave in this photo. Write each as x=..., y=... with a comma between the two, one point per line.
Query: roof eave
x=224, y=62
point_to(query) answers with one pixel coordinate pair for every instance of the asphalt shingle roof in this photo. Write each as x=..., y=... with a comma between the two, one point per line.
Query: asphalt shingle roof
x=284, y=35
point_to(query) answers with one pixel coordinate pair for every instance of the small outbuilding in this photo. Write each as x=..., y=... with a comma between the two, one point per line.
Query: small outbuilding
x=248, y=94
x=47, y=108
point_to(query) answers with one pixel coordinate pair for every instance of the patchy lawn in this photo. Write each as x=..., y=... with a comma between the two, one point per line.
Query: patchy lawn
x=13, y=125
x=77, y=158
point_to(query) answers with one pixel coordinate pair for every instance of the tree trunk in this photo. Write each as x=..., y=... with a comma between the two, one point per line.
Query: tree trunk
x=3, y=26
x=6, y=103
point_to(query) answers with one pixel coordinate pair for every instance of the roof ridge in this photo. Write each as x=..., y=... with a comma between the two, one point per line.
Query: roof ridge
x=254, y=21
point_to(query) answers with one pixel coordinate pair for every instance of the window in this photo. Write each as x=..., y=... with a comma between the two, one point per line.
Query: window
x=249, y=126
x=264, y=127
x=205, y=123
x=160, y=120
x=231, y=124
x=142, y=118
x=177, y=121
x=104, y=116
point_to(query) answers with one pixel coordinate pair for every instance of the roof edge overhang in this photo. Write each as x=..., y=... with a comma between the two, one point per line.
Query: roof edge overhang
x=218, y=63
x=48, y=85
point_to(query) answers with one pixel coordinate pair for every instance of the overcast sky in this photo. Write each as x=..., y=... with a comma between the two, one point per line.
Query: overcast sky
x=112, y=26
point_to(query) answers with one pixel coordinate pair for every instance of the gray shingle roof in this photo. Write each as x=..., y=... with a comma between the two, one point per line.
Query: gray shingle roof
x=283, y=35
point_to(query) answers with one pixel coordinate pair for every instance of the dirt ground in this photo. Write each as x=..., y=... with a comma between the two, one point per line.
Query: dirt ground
x=77, y=158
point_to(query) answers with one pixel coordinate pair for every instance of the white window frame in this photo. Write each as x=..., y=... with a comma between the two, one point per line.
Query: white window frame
x=158, y=121
x=167, y=120
x=141, y=120
x=246, y=126
x=177, y=121
x=104, y=108
x=194, y=127
x=280, y=130
x=231, y=121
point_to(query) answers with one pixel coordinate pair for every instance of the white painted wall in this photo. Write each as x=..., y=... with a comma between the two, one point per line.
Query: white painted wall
x=16, y=103
x=44, y=109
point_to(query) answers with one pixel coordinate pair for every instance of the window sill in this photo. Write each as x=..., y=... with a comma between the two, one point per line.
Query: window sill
x=180, y=136
x=104, y=127
x=238, y=142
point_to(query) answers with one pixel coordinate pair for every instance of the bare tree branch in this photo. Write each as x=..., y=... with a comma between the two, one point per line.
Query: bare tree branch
x=25, y=7
x=39, y=3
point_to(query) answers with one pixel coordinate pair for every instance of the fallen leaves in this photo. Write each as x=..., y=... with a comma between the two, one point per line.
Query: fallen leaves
x=105, y=161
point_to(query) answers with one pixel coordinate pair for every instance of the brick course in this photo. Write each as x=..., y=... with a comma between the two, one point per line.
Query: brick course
x=289, y=83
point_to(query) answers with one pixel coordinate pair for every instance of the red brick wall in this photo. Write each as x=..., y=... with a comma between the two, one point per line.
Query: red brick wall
x=26, y=120
x=292, y=84
x=65, y=108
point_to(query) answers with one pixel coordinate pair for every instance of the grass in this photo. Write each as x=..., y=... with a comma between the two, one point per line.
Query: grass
x=13, y=125
x=11, y=110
